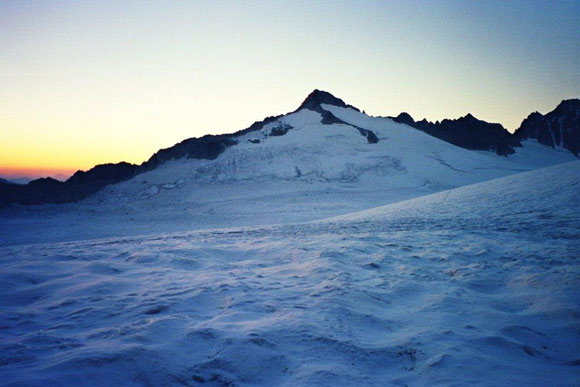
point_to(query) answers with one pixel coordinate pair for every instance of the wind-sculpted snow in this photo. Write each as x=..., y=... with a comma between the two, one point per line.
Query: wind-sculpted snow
x=475, y=286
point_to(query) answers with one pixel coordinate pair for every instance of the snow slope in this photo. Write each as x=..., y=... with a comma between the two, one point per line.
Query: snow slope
x=313, y=171
x=478, y=285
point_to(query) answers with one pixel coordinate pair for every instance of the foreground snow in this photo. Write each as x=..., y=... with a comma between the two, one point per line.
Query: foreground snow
x=478, y=285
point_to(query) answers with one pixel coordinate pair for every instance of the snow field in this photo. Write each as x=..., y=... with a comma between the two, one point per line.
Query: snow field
x=478, y=285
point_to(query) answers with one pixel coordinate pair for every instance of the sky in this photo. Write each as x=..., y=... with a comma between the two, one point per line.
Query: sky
x=90, y=82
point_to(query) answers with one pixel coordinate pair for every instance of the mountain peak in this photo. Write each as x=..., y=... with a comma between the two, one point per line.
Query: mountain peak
x=568, y=105
x=404, y=118
x=318, y=97
x=560, y=127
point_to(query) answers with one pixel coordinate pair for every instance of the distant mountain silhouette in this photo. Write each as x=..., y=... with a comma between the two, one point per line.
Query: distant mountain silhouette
x=17, y=179
x=77, y=187
x=560, y=127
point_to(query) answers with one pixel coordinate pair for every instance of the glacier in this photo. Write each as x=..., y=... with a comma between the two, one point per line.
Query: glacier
x=312, y=172
x=310, y=258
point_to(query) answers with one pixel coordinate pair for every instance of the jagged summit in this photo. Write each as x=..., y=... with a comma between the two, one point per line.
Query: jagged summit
x=467, y=132
x=558, y=128
x=318, y=97
x=472, y=120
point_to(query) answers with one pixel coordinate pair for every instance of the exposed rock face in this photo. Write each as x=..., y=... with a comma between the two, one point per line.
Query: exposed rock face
x=102, y=174
x=560, y=127
x=280, y=130
x=314, y=102
x=404, y=118
x=467, y=132
x=319, y=97
x=207, y=147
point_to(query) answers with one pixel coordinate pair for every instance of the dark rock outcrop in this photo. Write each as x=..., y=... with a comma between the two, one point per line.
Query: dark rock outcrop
x=319, y=97
x=369, y=134
x=560, y=127
x=48, y=190
x=207, y=147
x=77, y=187
x=404, y=118
x=9, y=193
x=280, y=130
x=314, y=102
x=103, y=174
x=467, y=132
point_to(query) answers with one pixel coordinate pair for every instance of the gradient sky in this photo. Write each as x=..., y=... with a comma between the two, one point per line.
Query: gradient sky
x=88, y=82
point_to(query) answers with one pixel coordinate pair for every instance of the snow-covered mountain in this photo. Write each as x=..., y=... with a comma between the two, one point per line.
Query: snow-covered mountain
x=326, y=147
x=324, y=159
x=326, y=139
x=319, y=247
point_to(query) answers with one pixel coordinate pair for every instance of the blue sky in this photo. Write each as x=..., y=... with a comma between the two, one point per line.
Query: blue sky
x=103, y=81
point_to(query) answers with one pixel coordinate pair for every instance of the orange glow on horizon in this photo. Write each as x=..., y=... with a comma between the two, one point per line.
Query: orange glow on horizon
x=88, y=83
x=36, y=172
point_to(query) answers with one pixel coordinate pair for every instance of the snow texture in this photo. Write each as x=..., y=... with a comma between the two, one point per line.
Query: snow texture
x=279, y=264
